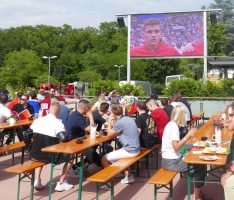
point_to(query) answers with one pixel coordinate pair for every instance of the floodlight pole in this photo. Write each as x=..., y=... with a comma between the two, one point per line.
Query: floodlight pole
x=49, y=57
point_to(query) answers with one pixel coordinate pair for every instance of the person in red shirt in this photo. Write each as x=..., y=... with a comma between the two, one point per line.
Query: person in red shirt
x=45, y=103
x=159, y=115
x=15, y=101
x=153, y=45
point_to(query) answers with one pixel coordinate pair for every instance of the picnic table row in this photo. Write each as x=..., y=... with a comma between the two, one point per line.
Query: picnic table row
x=190, y=158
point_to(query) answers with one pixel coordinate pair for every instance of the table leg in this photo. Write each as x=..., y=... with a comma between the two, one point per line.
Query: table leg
x=51, y=176
x=18, y=190
x=80, y=176
x=188, y=181
x=32, y=185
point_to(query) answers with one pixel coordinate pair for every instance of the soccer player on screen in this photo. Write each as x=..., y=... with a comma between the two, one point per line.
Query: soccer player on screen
x=153, y=45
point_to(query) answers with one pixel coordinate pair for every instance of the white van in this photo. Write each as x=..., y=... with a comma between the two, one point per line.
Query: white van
x=174, y=77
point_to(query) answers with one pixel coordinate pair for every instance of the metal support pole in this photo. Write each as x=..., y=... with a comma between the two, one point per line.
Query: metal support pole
x=32, y=185
x=128, y=53
x=49, y=71
x=205, y=44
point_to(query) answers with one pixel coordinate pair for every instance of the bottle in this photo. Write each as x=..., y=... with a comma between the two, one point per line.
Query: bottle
x=218, y=132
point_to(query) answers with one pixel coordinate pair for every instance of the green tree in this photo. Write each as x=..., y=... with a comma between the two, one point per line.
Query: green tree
x=21, y=68
x=89, y=76
x=217, y=39
x=226, y=16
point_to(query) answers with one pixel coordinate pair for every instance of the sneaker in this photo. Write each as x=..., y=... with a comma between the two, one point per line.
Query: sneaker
x=128, y=179
x=38, y=185
x=63, y=186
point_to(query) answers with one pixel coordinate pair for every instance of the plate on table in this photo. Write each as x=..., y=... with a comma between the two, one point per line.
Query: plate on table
x=200, y=144
x=208, y=158
x=215, y=150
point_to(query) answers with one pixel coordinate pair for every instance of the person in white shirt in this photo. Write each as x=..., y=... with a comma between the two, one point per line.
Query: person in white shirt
x=5, y=113
x=171, y=145
x=47, y=128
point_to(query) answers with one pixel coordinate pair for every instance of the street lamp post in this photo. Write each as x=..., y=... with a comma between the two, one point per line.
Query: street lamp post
x=119, y=66
x=49, y=57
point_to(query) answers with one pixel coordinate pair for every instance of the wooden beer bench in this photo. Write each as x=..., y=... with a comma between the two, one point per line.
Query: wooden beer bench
x=24, y=171
x=13, y=147
x=161, y=179
x=107, y=174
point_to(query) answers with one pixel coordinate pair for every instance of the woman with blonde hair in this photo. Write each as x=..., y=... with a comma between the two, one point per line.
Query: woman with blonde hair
x=171, y=145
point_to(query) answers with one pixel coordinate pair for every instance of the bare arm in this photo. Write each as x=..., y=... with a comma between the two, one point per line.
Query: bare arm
x=139, y=130
x=178, y=144
x=91, y=122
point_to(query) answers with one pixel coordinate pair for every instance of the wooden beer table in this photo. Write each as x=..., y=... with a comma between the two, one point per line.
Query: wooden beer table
x=72, y=147
x=6, y=125
x=192, y=158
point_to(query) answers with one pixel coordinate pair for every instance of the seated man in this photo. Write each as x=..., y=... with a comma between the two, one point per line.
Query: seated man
x=159, y=115
x=146, y=126
x=99, y=122
x=47, y=129
x=77, y=126
x=19, y=108
x=127, y=130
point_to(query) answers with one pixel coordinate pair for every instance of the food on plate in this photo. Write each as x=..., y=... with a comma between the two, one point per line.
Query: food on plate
x=215, y=150
x=209, y=158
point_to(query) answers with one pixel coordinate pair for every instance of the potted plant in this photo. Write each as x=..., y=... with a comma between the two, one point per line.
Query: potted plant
x=218, y=125
x=13, y=117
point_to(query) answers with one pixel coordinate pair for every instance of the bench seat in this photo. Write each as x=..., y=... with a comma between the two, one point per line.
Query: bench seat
x=13, y=147
x=24, y=171
x=107, y=174
x=162, y=178
x=111, y=171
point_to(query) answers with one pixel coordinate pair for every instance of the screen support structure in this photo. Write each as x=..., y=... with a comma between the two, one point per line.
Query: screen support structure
x=128, y=53
x=205, y=46
x=205, y=43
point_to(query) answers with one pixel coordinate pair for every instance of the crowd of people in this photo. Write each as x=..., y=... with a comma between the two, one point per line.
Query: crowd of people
x=162, y=122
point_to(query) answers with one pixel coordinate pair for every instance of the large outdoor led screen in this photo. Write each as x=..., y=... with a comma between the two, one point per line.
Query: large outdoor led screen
x=167, y=35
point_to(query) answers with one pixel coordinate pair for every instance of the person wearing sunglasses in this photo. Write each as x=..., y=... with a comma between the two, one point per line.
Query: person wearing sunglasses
x=19, y=108
x=23, y=105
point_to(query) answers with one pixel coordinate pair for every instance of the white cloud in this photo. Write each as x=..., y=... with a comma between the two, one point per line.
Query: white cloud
x=82, y=13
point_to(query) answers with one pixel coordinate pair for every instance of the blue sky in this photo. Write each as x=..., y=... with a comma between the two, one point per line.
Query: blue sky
x=83, y=13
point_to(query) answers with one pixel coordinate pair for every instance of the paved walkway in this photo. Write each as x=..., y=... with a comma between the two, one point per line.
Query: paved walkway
x=139, y=190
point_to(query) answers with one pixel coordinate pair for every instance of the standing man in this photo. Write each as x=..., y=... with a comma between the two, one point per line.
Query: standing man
x=159, y=115
x=153, y=44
